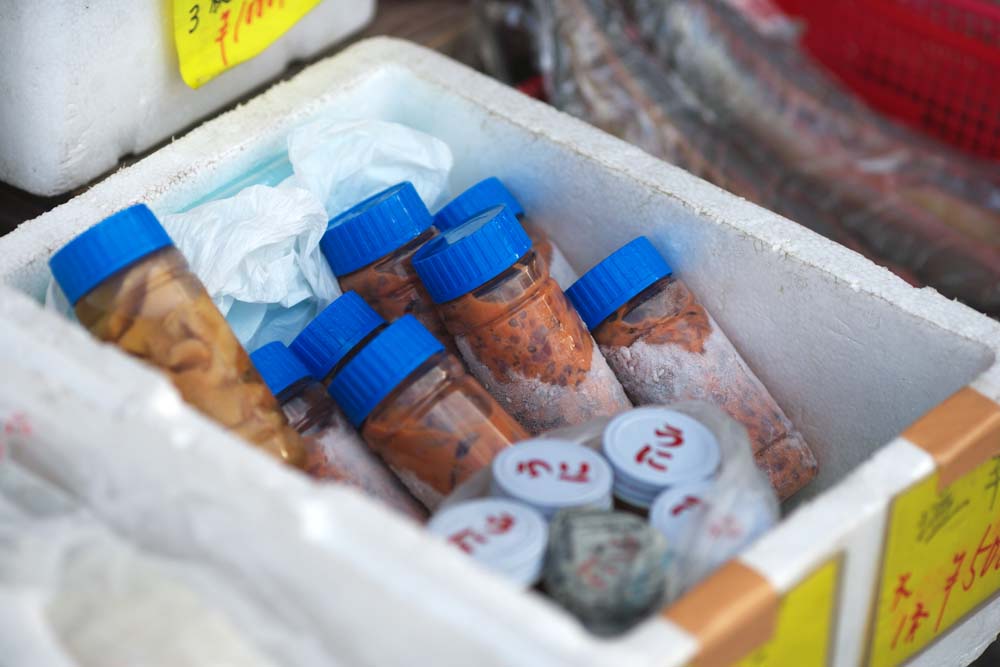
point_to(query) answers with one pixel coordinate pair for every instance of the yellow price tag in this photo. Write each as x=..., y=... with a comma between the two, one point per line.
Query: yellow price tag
x=941, y=561
x=806, y=622
x=214, y=35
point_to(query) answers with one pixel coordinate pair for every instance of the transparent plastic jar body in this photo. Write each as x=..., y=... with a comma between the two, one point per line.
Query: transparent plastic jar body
x=392, y=288
x=335, y=450
x=549, y=253
x=159, y=311
x=438, y=428
x=526, y=344
x=665, y=347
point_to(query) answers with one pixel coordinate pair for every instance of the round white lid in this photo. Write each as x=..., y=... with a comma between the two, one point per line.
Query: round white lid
x=673, y=509
x=655, y=448
x=551, y=475
x=504, y=535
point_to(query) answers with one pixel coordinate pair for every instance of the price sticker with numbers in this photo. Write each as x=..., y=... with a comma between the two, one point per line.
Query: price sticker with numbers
x=941, y=558
x=215, y=35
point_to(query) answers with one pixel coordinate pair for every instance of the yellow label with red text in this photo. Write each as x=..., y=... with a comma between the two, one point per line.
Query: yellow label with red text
x=806, y=622
x=941, y=561
x=214, y=35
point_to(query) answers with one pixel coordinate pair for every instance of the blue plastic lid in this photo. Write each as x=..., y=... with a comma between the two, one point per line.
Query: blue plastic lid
x=374, y=228
x=105, y=249
x=619, y=277
x=279, y=367
x=481, y=196
x=381, y=366
x=464, y=257
x=334, y=332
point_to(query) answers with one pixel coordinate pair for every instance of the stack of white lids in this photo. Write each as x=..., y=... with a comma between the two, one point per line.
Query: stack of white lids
x=550, y=475
x=506, y=536
x=652, y=449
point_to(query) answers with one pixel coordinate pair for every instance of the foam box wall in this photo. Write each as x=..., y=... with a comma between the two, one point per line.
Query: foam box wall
x=852, y=353
x=83, y=83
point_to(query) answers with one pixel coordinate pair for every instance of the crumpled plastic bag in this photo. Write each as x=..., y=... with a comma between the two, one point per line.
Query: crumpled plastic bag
x=343, y=163
x=258, y=255
x=740, y=506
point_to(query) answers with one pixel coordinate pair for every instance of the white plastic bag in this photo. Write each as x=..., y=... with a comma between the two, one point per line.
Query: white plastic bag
x=343, y=163
x=258, y=255
x=739, y=506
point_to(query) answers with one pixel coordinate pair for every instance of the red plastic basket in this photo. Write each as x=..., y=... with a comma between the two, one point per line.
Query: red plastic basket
x=932, y=63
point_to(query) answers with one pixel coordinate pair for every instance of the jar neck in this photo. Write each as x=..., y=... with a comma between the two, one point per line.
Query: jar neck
x=396, y=260
x=497, y=297
x=419, y=389
x=306, y=405
x=639, y=315
x=158, y=268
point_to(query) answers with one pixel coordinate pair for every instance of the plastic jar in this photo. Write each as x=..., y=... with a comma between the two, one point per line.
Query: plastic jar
x=334, y=450
x=492, y=192
x=130, y=286
x=517, y=332
x=665, y=347
x=335, y=335
x=418, y=409
x=370, y=248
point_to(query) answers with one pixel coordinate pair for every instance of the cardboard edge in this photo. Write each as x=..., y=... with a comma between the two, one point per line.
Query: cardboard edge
x=960, y=433
x=728, y=633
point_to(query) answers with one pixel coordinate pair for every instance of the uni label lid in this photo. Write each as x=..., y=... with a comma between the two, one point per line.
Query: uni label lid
x=673, y=510
x=502, y=534
x=659, y=447
x=553, y=474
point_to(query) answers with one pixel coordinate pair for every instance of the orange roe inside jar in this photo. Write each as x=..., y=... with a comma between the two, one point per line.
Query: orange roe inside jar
x=520, y=321
x=517, y=332
x=370, y=248
x=130, y=286
x=415, y=406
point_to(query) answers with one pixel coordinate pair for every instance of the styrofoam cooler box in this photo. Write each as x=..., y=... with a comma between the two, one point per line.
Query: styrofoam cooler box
x=852, y=353
x=83, y=83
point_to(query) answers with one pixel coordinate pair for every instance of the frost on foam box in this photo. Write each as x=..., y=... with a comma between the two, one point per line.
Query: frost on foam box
x=890, y=553
x=83, y=83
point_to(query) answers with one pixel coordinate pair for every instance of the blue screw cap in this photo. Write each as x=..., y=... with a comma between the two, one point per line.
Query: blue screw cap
x=464, y=257
x=481, y=196
x=334, y=332
x=279, y=367
x=619, y=277
x=381, y=366
x=374, y=228
x=105, y=249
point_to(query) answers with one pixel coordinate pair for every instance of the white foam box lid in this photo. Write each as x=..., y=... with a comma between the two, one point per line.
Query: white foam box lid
x=85, y=82
x=852, y=353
